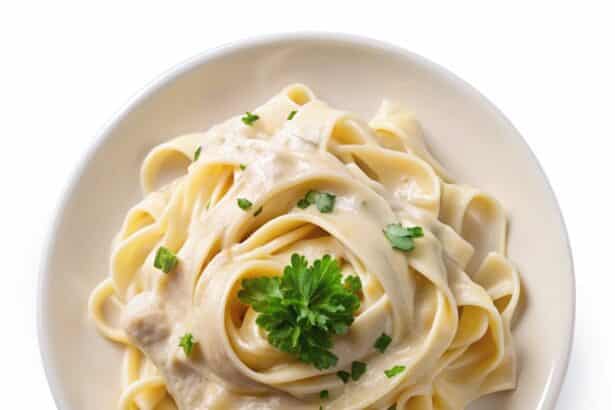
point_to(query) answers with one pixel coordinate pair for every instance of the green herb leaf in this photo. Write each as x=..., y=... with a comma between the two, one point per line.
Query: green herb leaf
x=353, y=284
x=165, y=260
x=244, y=204
x=324, y=394
x=258, y=211
x=197, y=153
x=324, y=201
x=394, y=371
x=242, y=167
x=292, y=115
x=393, y=407
x=187, y=343
x=383, y=342
x=402, y=238
x=303, y=309
x=343, y=375
x=259, y=292
x=249, y=118
x=308, y=199
x=357, y=370
x=311, y=196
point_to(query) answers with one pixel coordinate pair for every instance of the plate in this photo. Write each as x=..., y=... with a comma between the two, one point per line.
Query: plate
x=476, y=143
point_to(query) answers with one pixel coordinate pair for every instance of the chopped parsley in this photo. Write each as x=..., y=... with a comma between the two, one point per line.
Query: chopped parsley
x=258, y=211
x=187, y=343
x=244, y=204
x=197, y=153
x=292, y=115
x=324, y=394
x=383, y=342
x=402, y=238
x=393, y=407
x=357, y=370
x=394, y=371
x=343, y=375
x=303, y=309
x=249, y=118
x=165, y=260
x=242, y=167
x=324, y=201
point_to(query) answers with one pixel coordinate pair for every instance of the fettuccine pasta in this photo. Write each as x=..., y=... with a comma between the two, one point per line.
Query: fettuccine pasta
x=437, y=295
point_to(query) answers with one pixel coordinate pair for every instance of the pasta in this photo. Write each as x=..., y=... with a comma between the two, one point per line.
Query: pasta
x=437, y=296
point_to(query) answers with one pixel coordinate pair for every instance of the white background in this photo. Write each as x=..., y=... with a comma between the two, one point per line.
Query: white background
x=65, y=68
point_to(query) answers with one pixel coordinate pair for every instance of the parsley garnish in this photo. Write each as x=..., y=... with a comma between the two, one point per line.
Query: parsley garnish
x=187, y=343
x=394, y=371
x=303, y=203
x=324, y=394
x=165, y=260
x=242, y=167
x=357, y=369
x=244, y=204
x=353, y=283
x=249, y=118
x=393, y=407
x=402, y=238
x=304, y=308
x=324, y=201
x=343, y=375
x=197, y=153
x=383, y=342
x=292, y=115
x=308, y=199
x=258, y=211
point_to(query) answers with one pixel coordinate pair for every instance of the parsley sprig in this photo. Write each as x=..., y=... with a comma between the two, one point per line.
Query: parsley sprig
x=401, y=237
x=304, y=308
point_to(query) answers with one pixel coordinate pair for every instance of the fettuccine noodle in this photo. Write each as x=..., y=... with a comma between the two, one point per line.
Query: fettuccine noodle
x=447, y=305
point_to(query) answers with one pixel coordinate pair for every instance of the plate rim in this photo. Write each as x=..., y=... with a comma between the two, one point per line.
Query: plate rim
x=560, y=366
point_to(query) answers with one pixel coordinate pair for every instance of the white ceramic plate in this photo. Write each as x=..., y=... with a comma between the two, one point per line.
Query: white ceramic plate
x=468, y=134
